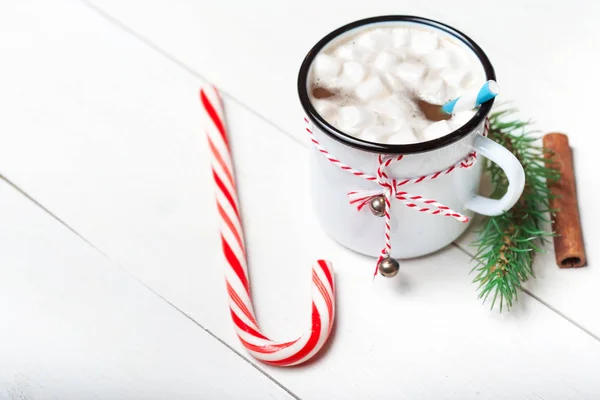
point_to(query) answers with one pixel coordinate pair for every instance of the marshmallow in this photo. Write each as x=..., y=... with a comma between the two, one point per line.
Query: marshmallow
x=363, y=55
x=393, y=83
x=461, y=118
x=372, y=87
x=422, y=42
x=352, y=52
x=384, y=61
x=375, y=40
x=452, y=92
x=327, y=66
x=393, y=106
x=437, y=59
x=457, y=78
x=434, y=90
x=402, y=54
x=351, y=119
x=464, y=71
x=397, y=124
x=403, y=136
x=458, y=57
x=452, y=77
x=345, y=52
x=400, y=38
x=376, y=134
x=436, y=130
x=410, y=73
x=353, y=73
x=325, y=108
x=467, y=79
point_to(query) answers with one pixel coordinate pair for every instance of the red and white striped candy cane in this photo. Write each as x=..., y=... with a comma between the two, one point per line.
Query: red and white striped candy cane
x=236, y=273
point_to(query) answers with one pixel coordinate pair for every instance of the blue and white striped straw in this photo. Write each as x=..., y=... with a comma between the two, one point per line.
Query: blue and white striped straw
x=472, y=98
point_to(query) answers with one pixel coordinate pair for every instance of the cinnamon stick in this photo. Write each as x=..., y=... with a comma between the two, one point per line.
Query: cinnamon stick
x=568, y=243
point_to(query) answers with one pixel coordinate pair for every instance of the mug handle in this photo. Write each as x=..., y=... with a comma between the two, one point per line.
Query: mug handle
x=513, y=170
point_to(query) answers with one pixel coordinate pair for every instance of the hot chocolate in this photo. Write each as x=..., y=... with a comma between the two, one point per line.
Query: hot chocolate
x=367, y=83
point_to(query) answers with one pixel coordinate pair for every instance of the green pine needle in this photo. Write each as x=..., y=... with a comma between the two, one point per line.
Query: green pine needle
x=508, y=243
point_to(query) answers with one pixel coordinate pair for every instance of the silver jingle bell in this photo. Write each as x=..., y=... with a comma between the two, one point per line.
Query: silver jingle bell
x=377, y=206
x=389, y=267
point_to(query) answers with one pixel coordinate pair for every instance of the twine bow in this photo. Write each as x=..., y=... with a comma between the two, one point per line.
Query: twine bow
x=389, y=188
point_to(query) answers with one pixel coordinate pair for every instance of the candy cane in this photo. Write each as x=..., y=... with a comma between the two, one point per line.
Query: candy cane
x=236, y=273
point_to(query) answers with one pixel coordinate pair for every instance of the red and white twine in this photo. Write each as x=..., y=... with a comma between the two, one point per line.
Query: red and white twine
x=390, y=188
x=236, y=273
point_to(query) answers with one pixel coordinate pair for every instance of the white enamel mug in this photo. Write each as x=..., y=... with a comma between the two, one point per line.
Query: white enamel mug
x=413, y=233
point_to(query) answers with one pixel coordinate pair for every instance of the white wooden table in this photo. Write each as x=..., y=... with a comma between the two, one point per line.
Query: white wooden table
x=111, y=276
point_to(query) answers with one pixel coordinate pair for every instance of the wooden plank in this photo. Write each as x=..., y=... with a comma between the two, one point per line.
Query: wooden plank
x=75, y=325
x=543, y=57
x=538, y=75
x=119, y=155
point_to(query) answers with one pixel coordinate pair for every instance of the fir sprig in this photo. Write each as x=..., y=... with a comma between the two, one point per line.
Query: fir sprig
x=507, y=243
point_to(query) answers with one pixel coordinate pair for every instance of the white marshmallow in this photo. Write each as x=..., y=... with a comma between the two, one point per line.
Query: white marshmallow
x=457, y=78
x=400, y=38
x=468, y=79
x=369, y=136
x=345, y=52
x=422, y=42
x=353, y=73
x=326, y=66
x=384, y=61
x=410, y=73
x=363, y=55
x=351, y=119
x=437, y=59
x=391, y=125
x=436, y=130
x=325, y=108
x=369, y=89
x=397, y=124
x=461, y=118
x=452, y=77
x=375, y=40
x=350, y=51
x=452, y=92
x=394, y=106
x=458, y=57
x=434, y=90
x=375, y=134
x=403, y=136
x=393, y=83
x=402, y=54
x=464, y=71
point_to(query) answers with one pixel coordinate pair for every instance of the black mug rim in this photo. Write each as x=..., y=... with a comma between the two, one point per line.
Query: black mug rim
x=420, y=147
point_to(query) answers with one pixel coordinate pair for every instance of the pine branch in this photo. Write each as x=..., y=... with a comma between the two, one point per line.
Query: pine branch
x=507, y=243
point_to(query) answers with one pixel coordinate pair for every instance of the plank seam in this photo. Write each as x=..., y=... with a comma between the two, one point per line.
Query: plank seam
x=63, y=223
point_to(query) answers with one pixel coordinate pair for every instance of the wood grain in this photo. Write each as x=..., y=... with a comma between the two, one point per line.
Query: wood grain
x=107, y=136
x=77, y=326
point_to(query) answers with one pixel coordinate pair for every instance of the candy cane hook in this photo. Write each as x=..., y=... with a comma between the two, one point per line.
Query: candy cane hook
x=236, y=273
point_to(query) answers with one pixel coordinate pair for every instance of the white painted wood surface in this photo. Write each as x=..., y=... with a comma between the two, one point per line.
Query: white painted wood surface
x=103, y=130
x=544, y=54
x=77, y=326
